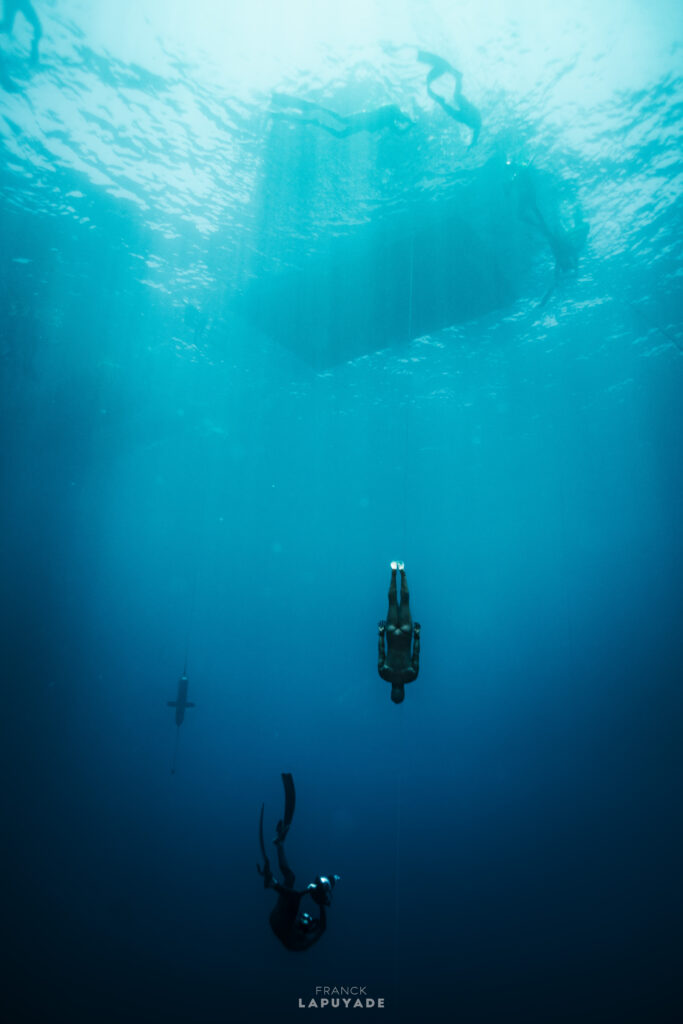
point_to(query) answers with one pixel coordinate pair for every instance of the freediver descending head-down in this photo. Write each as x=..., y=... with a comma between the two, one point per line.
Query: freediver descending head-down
x=295, y=929
x=181, y=703
x=396, y=664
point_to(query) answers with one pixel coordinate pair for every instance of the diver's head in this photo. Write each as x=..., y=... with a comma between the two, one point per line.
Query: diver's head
x=306, y=922
x=321, y=889
x=327, y=883
x=397, y=694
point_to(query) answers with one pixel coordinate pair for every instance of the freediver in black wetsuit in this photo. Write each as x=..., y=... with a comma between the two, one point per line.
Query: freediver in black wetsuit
x=10, y=10
x=395, y=662
x=461, y=109
x=340, y=125
x=295, y=929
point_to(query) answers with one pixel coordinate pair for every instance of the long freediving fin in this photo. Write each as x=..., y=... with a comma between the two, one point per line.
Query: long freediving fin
x=290, y=798
x=264, y=871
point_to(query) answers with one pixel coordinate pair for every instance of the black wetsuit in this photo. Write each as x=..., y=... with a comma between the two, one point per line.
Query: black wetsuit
x=286, y=919
x=396, y=663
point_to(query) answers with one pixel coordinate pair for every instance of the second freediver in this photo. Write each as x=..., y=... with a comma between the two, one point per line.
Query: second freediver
x=297, y=930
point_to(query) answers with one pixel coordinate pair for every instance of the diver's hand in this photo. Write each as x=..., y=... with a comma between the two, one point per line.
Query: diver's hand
x=417, y=627
x=381, y=625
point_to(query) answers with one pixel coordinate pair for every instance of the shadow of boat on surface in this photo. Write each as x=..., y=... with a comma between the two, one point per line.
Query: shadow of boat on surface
x=401, y=276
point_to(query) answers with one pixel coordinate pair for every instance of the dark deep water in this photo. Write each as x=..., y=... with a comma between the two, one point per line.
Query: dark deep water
x=246, y=363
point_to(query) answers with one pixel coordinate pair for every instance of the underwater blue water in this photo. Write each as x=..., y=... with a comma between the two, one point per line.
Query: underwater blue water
x=190, y=471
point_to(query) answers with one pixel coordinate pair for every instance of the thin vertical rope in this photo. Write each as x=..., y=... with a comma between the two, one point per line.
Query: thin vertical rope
x=410, y=288
x=406, y=490
x=190, y=619
x=408, y=401
x=398, y=761
x=175, y=749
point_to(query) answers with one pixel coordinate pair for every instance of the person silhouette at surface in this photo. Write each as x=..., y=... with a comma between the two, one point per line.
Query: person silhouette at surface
x=10, y=10
x=460, y=109
x=297, y=930
x=340, y=125
x=396, y=663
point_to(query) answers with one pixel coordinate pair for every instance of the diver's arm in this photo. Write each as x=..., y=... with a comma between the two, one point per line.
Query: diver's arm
x=381, y=651
x=416, y=647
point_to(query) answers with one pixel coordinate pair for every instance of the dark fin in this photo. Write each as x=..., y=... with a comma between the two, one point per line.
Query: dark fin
x=189, y=703
x=290, y=798
x=172, y=703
